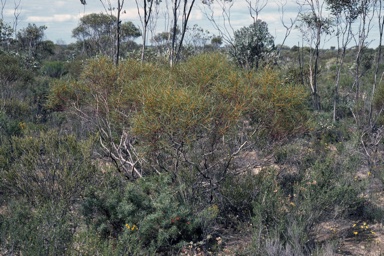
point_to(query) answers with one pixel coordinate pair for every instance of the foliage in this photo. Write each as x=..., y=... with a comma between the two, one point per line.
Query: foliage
x=46, y=230
x=96, y=33
x=129, y=31
x=252, y=44
x=11, y=70
x=280, y=105
x=217, y=41
x=54, y=69
x=352, y=8
x=47, y=167
x=42, y=179
x=378, y=102
x=312, y=23
x=5, y=35
x=144, y=214
x=178, y=117
x=140, y=158
x=31, y=39
x=293, y=202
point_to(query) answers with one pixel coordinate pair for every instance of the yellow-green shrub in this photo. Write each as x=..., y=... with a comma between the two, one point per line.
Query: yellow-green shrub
x=281, y=108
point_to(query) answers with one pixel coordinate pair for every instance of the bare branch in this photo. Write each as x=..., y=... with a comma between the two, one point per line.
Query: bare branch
x=226, y=30
x=288, y=27
x=3, y=3
x=255, y=8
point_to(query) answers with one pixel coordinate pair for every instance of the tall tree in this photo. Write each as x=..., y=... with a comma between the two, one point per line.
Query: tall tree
x=380, y=15
x=97, y=33
x=120, y=5
x=30, y=37
x=365, y=18
x=313, y=26
x=345, y=14
x=183, y=8
x=118, y=27
x=145, y=14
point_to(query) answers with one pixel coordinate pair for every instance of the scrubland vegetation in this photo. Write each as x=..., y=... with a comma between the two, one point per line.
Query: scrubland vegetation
x=207, y=157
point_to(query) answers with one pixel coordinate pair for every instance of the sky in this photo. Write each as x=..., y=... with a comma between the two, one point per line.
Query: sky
x=61, y=17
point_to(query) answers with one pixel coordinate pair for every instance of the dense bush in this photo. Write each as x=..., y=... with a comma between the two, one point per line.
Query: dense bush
x=54, y=69
x=47, y=167
x=44, y=230
x=42, y=178
x=146, y=215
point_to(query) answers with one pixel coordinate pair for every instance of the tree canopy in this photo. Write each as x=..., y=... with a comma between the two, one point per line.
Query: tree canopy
x=251, y=44
x=96, y=32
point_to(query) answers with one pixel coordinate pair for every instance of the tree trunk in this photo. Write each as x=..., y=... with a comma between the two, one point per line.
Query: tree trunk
x=118, y=23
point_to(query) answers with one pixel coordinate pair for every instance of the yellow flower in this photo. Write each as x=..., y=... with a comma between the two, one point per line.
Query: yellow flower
x=127, y=225
x=354, y=225
x=355, y=233
x=22, y=125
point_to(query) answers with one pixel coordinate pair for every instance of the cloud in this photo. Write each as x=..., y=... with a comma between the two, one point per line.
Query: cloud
x=53, y=18
x=60, y=3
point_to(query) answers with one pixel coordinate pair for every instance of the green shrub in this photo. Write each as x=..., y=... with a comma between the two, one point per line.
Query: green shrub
x=291, y=204
x=280, y=109
x=238, y=194
x=144, y=214
x=54, y=69
x=43, y=230
x=47, y=167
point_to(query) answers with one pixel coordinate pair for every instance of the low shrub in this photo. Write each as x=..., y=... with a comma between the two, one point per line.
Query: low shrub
x=146, y=214
x=286, y=212
x=54, y=69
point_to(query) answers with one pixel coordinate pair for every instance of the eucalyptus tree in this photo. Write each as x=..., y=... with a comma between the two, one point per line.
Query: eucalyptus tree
x=183, y=8
x=313, y=25
x=345, y=13
x=120, y=5
x=145, y=12
x=115, y=25
x=380, y=17
x=365, y=18
x=30, y=38
x=97, y=33
x=288, y=25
